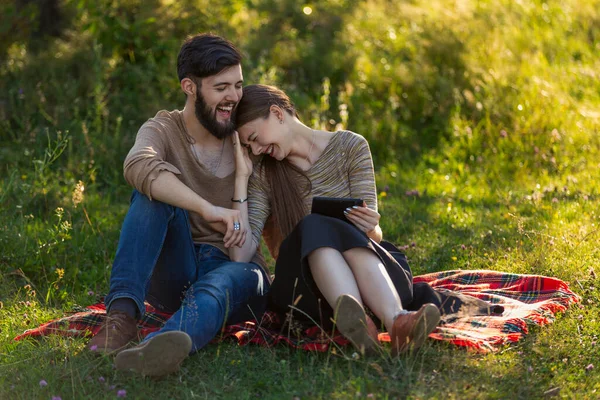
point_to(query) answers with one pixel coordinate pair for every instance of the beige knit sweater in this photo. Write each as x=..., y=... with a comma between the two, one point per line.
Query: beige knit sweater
x=162, y=144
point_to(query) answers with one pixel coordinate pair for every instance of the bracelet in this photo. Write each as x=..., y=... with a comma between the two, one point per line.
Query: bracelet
x=240, y=201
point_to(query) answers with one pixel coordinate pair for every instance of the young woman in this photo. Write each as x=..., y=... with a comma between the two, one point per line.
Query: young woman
x=326, y=268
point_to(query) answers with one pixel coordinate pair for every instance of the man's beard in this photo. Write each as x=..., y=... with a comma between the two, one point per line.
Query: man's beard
x=208, y=118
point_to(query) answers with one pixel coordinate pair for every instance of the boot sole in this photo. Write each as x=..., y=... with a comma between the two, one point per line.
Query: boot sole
x=105, y=351
x=161, y=355
x=427, y=322
x=351, y=321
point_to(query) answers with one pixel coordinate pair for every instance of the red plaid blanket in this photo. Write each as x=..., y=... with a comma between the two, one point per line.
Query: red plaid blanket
x=527, y=300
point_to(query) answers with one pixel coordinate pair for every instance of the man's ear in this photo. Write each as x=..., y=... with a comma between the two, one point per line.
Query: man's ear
x=277, y=112
x=188, y=86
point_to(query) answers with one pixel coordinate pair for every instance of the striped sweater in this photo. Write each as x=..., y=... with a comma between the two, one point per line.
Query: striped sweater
x=344, y=169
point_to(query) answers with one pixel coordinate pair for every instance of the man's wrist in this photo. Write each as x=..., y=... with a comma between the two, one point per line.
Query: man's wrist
x=202, y=208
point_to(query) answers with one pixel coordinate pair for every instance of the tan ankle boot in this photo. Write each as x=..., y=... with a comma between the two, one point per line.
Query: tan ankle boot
x=410, y=329
x=352, y=322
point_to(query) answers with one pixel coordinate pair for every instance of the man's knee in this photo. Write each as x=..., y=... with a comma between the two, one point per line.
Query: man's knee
x=217, y=288
x=151, y=208
x=235, y=281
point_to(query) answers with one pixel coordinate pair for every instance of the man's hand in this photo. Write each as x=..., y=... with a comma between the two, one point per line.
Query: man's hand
x=225, y=220
x=243, y=164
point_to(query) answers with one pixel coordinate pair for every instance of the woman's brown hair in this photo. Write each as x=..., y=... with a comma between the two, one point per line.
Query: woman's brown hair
x=286, y=194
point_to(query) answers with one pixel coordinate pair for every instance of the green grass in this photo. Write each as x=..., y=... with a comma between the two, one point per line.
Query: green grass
x=487, y=109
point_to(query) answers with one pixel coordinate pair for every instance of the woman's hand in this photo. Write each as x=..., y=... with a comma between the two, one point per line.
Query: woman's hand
x=363, y=218
x=243, y=164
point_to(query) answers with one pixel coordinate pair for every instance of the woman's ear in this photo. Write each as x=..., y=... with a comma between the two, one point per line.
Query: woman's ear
x=188, y=86
x=277, y=112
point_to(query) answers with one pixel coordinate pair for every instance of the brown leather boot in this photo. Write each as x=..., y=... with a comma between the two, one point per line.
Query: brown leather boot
x=115, y=334
x=410, y=329
x=356, y=326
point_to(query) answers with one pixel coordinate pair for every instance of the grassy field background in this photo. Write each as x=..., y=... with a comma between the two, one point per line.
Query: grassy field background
x=483, y=118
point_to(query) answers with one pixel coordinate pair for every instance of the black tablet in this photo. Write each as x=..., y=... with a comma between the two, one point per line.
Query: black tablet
x=333, y=206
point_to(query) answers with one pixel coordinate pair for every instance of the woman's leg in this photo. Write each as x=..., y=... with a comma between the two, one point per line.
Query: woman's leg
x=332, y=275
x=374, y=283
x=337, y=284
x=408, y=330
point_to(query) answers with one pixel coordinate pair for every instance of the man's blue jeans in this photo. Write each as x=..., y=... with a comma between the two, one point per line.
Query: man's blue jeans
x=157, y=260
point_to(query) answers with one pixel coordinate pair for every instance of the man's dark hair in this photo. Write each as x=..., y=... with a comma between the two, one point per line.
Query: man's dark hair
x=204, y=55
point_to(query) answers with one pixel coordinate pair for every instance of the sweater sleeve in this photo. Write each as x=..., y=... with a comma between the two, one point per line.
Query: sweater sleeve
x=259, y=206
x=361, y=173
x=146, y=159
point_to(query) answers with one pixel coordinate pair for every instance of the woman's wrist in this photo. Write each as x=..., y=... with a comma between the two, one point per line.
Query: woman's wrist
x=240, y=189
x=376, y=234
x=242, y=177
x=240, y=195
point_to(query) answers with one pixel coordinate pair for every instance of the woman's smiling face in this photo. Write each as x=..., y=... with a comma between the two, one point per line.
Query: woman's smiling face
x=264, y=136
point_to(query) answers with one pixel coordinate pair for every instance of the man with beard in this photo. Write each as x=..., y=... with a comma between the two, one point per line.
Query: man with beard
x=187, y=211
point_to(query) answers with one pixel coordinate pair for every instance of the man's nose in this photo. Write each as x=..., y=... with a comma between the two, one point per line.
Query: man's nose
x=234, y=94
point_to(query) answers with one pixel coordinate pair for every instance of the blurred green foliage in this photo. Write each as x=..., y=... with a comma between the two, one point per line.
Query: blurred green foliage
x=396, y=72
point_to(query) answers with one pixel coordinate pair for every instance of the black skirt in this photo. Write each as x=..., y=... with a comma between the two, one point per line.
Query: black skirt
x=294, y=284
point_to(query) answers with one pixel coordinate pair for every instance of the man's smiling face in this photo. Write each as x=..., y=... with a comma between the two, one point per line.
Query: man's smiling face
x=217, y=100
